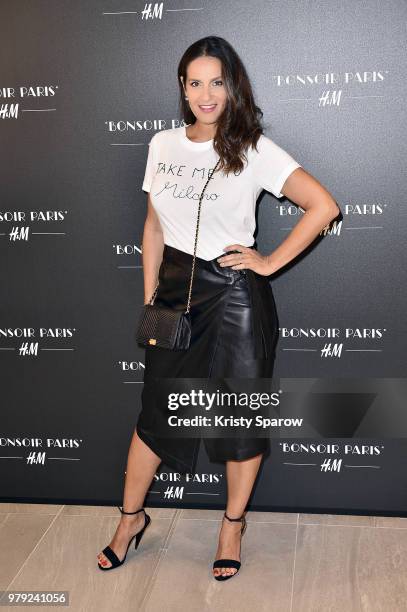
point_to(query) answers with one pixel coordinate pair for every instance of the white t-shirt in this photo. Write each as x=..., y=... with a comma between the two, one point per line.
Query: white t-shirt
x=176, y=172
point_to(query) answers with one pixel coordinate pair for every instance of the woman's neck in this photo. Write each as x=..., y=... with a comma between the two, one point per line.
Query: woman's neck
x=200, y=132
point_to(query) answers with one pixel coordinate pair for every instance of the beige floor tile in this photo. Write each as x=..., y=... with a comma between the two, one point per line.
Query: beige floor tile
x=251, y=516
x=184, y=578
x=30, y=508
x=395, y=522
x=201, y=515
x=19, y=534
x=272, y=517
x=337, y=519
x=66, y=560
x=350, y=568
x=72, y=510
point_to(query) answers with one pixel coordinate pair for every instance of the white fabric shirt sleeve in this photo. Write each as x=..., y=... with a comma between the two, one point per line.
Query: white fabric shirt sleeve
x=150, y=165
x=272, y=165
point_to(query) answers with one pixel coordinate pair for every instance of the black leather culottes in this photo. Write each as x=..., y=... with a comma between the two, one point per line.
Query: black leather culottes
x=234, y=334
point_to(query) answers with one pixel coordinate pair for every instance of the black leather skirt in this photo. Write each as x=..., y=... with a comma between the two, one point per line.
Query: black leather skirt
x=234, y=334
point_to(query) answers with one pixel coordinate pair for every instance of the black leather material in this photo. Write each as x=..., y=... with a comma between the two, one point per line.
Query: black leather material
x=234, y=334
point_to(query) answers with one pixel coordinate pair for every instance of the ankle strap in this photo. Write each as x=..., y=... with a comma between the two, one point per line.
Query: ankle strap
x=241, y=519
x=123, y=512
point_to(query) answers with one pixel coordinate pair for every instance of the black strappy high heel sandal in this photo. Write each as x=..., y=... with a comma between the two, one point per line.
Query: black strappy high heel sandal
x=230, y=562
x=111, y=555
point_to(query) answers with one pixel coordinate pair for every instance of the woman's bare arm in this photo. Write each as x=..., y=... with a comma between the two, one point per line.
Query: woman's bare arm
x=320, y=209
x=152, y=250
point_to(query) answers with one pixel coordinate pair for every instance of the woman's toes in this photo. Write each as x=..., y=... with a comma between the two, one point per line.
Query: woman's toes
x=103, y=561
x=224, y=571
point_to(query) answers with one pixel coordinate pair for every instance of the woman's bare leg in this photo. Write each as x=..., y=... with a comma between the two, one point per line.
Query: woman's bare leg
x=142, y=464
x=240, y=480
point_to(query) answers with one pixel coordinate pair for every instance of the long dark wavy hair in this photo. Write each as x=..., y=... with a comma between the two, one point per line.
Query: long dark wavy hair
x=239, y=125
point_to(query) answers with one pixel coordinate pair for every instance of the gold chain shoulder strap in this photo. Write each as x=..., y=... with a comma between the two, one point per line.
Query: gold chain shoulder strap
x=195, y=245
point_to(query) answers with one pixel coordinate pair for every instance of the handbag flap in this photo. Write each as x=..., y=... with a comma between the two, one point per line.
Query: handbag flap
x=159, y=325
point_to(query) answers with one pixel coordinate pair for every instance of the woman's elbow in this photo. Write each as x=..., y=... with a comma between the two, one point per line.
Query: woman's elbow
x=333, y=210
x=326, y=208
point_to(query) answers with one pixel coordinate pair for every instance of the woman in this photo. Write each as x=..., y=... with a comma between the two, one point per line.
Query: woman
x=234, y=322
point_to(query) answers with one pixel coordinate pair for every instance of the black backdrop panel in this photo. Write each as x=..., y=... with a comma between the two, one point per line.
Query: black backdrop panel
x=84, y=86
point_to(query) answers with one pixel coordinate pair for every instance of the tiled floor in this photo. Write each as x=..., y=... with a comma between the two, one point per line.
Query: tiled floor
x=290, y=562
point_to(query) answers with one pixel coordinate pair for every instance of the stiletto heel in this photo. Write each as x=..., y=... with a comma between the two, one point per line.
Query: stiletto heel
x=230, y=562
x=111, y=555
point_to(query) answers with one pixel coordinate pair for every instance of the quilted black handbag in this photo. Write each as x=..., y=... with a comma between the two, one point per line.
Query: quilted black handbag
x=162, y=326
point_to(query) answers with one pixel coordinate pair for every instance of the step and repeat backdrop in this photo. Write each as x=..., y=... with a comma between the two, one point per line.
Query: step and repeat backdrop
x=83, y=87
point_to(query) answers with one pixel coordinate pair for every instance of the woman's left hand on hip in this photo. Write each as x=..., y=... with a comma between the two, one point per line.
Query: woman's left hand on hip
x=246, y=259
